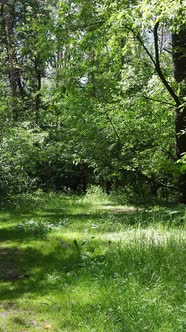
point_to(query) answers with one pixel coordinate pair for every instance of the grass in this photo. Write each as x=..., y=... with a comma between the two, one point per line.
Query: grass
x=70, y=263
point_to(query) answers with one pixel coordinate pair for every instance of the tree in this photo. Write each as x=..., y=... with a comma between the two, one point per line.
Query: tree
x=96, y=79
x=173, y=15
x=106, y=76
x=179, y=58
x=8, y=24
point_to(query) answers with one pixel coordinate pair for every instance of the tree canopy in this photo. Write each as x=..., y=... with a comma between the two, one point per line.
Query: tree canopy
x=93, y=92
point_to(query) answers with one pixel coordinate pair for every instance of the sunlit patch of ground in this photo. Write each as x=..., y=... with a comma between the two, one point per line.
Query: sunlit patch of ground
x=144, y=235
x=120, y=209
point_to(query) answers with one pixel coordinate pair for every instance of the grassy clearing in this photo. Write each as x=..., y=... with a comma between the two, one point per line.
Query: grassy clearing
x=84, y=264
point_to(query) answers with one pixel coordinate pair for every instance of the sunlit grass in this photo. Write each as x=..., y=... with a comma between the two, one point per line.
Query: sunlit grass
x=73, y=264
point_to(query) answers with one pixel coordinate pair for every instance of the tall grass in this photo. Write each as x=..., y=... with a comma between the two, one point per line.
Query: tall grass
x=72, y=263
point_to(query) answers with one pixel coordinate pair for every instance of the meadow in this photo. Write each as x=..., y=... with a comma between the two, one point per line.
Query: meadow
x=85, y=263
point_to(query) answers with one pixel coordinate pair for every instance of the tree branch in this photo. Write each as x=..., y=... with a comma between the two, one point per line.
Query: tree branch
x=158, y=101
x=156, y=61
x=158, y=68
x=138, y=37
x=112, y=125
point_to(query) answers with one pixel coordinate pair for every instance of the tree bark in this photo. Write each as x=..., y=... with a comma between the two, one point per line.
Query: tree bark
x=8, y=19
x=179, y=59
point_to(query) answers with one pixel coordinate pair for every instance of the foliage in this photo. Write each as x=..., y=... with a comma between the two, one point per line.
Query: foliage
x=19, y=152
x=83, y=78
x=35, y=227
x=95, y=195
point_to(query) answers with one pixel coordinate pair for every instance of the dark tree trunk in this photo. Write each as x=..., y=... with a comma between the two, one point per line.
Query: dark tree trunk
x=8, y=19
x=179, y=55
x=179, y=58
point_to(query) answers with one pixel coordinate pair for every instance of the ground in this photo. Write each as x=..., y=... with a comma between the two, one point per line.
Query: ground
x=86, y=264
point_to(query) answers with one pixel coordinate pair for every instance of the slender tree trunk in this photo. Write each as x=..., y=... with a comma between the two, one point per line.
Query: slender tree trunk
x=38, y=99
x=8, y=19
x=179, y=58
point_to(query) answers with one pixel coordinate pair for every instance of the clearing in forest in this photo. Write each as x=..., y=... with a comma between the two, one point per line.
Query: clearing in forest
x=83, y=264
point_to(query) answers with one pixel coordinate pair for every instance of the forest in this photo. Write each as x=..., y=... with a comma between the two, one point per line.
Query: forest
x=93, y=92
x=92, y=165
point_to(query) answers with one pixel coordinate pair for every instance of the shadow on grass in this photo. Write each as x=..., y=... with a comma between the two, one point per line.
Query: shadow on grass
x=107, y=221
x=123, y=218
x=24, y=270
x=10, y=234
x=62, y=265
x=73, y=264
x=58, y=268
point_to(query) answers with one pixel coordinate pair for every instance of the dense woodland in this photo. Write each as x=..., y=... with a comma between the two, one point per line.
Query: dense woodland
x=93, y=92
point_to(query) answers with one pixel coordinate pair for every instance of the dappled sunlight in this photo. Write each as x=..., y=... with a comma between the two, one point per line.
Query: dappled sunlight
x=131, y=235
x=72, y=268
x=119, y=208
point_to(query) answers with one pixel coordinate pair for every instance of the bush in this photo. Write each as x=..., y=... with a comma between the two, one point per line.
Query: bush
x=37, y=228
x=96, y=195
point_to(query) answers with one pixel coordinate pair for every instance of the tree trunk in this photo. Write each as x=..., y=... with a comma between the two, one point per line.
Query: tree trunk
x=8, y=19
x=179, y=59
x=38, y=99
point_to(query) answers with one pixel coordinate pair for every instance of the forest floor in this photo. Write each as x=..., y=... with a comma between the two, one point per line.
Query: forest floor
x=85, y=264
